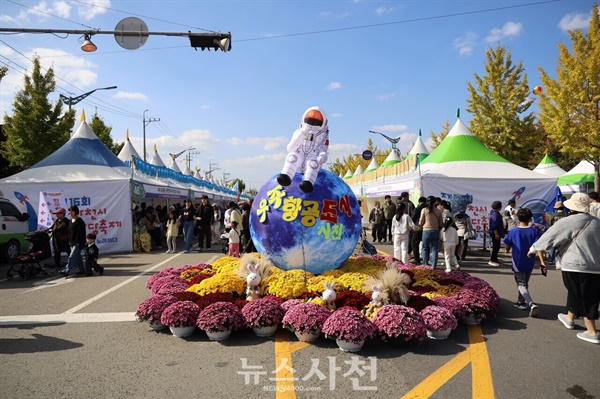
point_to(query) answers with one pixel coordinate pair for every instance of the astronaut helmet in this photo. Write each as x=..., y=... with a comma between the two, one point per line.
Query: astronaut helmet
x=315, y=117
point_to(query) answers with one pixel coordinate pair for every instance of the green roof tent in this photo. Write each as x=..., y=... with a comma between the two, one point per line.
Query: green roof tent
x=372, y=166
x=359, y=170
x=581, y=174
x=419, y=149
x=549, y=168
x=391, y=159
x=462, y=167
x=348, y=174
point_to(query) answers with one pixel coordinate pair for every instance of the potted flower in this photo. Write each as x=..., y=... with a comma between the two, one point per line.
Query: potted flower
x=151, y=310
x=349, y=328
x=220, y=319
x=439, y=321
x=477, y=305
x=263, y=315
x=306, y=320
x=400, y=324
x=181, y=318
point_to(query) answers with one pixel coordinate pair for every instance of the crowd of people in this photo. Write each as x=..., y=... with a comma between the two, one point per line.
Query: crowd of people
x=208, y=223
x=568, y=238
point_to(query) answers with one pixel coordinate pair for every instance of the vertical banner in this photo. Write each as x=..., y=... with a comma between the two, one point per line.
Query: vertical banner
x=50, y=200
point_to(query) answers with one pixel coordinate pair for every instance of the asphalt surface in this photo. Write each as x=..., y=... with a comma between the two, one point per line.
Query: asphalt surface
x=77, y=338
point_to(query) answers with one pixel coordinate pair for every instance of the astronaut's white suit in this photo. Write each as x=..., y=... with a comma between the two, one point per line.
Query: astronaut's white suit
x=307, y=150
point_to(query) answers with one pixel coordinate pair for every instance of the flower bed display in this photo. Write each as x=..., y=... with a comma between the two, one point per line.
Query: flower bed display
x=432, y=299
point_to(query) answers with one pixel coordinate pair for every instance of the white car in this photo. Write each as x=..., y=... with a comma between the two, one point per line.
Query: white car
x=13, y=227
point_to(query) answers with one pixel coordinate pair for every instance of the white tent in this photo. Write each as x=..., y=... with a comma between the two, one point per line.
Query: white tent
x=89, y=176
x=128, y=151
x=372, y=166
x=468, y=174
x=174, y=166
x=549, y=168
x=577, y=179
x=156, y=160
x=359, y=170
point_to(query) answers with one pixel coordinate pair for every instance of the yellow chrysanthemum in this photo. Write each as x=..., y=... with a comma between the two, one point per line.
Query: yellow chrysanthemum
x=333, y=273
x=425, y=282
x=191, y=273
x=448, y=290
x=426, y=274
x=362, y=265
x=276, y=270
x=431, y=294
x=288, y=285
x=226, y=264
x=353, y=281
x=318, y=301
x=317, y=284
x=224, y=282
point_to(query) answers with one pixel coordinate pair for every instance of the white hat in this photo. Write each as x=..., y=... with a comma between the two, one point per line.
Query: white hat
x=578, y=202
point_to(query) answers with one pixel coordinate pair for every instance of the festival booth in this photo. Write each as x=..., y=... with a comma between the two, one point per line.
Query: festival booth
x=549, y=168
x=87, y=174
x=580, y=179
x=464, y=172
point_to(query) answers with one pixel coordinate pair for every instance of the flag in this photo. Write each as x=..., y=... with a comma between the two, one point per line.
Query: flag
x=236, y=186
x=48, y=203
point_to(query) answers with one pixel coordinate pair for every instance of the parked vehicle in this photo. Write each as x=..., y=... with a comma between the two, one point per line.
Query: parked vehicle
x=13, y=227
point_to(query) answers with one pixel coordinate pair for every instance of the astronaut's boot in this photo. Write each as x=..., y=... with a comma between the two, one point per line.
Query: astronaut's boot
x=306, y=186
x=284, y=180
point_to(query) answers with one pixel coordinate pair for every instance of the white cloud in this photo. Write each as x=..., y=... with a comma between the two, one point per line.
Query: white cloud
x=333, y=86
x=386, y=96
x=574, y=21
x=390, y=128
x=267, y=143
x=77, y=71
x=465, y=44
x=336, y=115
x=383, y=10
x=509, y=29
x=8, y=19
x=131, y=96
x=92, y=8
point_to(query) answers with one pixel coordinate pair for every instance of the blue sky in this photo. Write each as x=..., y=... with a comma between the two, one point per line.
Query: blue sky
x=389, y=66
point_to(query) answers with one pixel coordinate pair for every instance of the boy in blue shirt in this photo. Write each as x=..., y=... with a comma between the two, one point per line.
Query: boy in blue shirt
x=520, y=240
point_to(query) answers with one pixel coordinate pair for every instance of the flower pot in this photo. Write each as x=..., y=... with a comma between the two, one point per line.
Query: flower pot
x=348, y=346
x=307, y=337
x=218, y=335
x=471, y=319
x=157, y=326
x=439, y=334
x=266, y=331
x=181, y=332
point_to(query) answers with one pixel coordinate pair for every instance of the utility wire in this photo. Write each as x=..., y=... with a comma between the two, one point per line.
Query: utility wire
x=52, y=15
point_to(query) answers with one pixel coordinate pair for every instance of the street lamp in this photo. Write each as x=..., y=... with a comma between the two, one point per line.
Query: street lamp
x=74, y=100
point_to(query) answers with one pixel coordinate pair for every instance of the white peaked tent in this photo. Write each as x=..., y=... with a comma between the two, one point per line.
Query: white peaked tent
x=359, y=170
x=549, y=168
x=156, y=160
x=372, y=166
x=174, y=166
x=468, y=174
x=573, y=181
x=348, y=174
x=419, y=149
x=128, y=151
x=89, y=176
x=391, y=159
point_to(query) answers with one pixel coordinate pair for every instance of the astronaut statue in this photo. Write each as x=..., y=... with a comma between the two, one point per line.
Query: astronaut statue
x=307, y=150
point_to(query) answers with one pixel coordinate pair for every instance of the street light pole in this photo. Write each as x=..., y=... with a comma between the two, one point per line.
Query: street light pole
x=74, y=100
x=145, y=123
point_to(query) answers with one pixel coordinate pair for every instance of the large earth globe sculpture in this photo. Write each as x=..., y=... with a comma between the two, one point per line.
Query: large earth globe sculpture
x=314, y=231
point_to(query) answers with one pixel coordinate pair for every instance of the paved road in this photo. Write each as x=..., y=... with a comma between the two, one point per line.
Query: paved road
x=77, y=338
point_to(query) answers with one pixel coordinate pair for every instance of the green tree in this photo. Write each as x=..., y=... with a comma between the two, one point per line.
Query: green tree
x=496, y=102
x=3, y=71
x=351, y=162
x=37, y=127
x=5, y=169
x=103, y=132
x=241, y=184
x=570, y=107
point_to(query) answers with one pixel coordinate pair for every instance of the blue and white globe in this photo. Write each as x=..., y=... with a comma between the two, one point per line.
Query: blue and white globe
x=314, y=231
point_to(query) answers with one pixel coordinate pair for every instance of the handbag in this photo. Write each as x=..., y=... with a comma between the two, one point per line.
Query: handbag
x=470, y=234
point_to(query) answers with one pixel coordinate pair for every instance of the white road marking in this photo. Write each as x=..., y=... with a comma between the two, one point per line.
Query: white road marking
x=49, y=282
x=67, y=318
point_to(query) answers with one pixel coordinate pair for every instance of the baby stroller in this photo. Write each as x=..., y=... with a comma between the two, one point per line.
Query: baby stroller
x=224, y=241
x=365, y=246
x=28, y=265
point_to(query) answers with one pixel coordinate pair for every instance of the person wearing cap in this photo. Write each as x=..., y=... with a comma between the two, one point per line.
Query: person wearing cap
x=76, y=243
x=60, y=235
x=576, y=239
x=187, y=217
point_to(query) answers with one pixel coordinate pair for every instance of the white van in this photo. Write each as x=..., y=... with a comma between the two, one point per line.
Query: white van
x=13, y=227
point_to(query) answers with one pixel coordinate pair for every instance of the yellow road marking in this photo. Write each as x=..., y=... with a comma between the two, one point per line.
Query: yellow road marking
x=284, y=378
x=481, y=371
